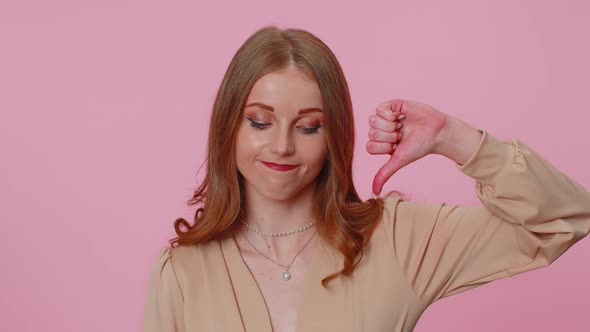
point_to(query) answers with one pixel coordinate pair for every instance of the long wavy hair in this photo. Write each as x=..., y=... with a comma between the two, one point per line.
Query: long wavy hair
x=343, y=220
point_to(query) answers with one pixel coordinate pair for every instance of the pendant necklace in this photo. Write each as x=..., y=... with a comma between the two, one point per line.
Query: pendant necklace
x=286, y=273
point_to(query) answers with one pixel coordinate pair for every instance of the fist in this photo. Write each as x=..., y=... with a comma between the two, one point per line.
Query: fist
x=407, y=131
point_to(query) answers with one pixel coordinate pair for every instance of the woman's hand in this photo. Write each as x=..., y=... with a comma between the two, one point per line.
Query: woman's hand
x=419, y=134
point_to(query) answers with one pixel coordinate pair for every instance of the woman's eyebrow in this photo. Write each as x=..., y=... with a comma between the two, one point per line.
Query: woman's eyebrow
x=301, y=111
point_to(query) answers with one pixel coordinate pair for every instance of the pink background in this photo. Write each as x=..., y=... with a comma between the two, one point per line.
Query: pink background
x=105, y=108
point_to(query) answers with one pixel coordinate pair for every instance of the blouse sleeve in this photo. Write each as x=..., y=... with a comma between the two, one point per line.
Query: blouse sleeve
x=532, y=213
x=163, y=311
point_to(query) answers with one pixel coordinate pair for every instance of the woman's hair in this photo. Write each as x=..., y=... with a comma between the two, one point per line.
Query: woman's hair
x=343, y=220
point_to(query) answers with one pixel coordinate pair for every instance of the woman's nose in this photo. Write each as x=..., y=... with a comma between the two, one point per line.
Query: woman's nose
x=282, y=142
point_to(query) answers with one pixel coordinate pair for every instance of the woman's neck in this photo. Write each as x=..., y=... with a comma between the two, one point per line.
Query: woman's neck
x=281, y=249
x=270, y=216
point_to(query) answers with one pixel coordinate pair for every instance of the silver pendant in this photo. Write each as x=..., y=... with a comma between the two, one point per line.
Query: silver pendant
x=286, y=275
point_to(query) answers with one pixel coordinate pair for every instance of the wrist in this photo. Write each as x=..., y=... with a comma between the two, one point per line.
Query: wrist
x=457, y=140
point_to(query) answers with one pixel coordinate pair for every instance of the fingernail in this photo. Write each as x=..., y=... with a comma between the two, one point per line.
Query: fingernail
x=399, y=124
x=401, y=116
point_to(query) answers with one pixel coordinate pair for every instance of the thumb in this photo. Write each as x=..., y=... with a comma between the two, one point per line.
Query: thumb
x=386, y=171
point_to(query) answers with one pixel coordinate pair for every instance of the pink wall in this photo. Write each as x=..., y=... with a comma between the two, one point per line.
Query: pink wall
x=104, y=123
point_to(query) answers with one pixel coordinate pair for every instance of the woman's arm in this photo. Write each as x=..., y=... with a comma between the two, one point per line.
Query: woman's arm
x=532, y=213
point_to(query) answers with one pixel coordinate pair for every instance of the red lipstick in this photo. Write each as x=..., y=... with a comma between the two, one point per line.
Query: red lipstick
x=278, y=167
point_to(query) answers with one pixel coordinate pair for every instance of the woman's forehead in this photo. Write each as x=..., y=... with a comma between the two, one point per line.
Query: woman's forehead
x=286, y=89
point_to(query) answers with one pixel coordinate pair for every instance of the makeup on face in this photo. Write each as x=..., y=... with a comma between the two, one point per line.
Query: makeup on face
x=260, y=118
x=281, y=141
x=262, y=124
x=280, y=168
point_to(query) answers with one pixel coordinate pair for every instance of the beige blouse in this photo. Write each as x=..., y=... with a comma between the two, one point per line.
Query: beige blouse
x=421, y=252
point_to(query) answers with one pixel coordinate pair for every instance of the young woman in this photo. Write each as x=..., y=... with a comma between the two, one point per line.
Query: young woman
x=283, y=242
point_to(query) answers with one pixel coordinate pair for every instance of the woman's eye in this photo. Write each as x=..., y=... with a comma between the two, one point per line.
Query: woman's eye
x=257, y=125
x=263, y=125
x=311, y=130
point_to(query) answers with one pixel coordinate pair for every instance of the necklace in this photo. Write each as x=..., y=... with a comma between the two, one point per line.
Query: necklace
x=300, y=229
x=286, y=273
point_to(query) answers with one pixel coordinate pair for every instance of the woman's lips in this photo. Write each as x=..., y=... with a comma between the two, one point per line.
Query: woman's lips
x=278, y=167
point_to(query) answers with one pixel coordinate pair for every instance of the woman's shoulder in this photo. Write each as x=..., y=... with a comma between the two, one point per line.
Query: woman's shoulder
x=400, y=214
x=384, y=226
x=187, y=256
x=188, y=252
x=395, y=207
x=390, y=204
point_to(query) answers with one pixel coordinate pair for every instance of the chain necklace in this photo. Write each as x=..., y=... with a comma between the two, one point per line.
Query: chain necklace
x=300, y=229
x=286, y=273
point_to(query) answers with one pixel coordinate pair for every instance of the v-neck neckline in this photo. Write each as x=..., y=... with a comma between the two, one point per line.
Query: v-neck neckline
x=249, y=297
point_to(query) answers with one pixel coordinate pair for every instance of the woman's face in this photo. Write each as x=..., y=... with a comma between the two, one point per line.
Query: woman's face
x=283, y=123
